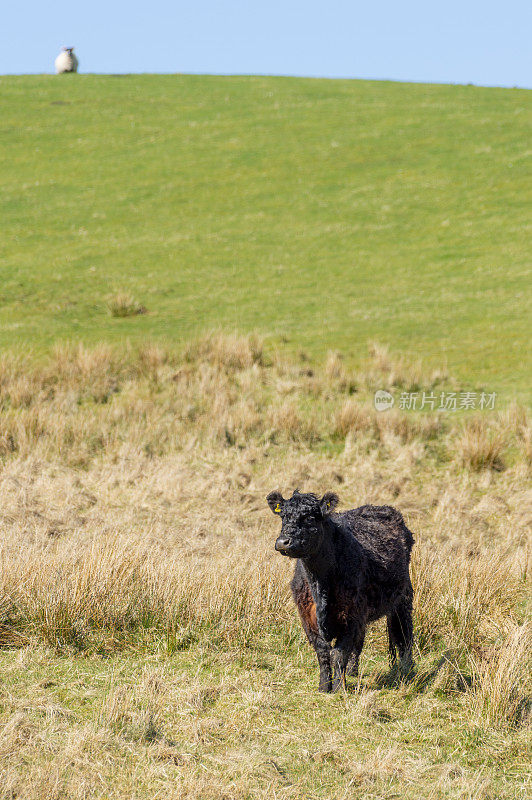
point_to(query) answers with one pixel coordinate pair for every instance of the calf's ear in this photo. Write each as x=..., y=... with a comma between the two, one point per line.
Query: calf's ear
x=276, y=501
x=328, y=503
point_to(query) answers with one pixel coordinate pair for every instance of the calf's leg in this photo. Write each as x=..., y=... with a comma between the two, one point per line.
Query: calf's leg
x=352, y=664
x=323, y=652
x=401, y=634
x=341, y=652
x=391, y=641
x=307, y=613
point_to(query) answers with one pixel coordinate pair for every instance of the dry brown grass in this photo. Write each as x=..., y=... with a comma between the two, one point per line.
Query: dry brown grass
x=497, y=694
x=133, y=521
x=387, y=371
x=352, y=416
x=480, y=446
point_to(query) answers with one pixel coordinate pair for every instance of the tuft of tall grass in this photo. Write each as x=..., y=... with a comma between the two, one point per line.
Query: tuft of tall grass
x=230, y=351
x=499, y=695
x=352, y=416
x=479, y=446
x=124, y=304
x=387, y=371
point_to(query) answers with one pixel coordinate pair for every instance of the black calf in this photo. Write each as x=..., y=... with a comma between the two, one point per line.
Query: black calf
x=352, y=568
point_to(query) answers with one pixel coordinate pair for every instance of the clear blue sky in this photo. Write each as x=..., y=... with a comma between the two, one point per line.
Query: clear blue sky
x=452, y=41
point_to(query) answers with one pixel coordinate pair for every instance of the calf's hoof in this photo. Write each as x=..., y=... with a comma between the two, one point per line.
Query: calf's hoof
x=352, y=668
x=338, y=682
x=339, y=686
x=407, y=667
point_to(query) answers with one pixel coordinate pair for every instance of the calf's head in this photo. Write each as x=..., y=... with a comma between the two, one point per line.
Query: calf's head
x=303, y=519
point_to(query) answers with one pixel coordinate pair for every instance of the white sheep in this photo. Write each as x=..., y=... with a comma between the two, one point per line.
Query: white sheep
x=66, y=61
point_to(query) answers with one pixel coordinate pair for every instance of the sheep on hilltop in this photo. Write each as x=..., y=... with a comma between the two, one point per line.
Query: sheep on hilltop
x=66, y=61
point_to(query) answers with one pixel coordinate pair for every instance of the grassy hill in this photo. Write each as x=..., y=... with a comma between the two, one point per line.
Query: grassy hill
x=149, y=647
x=322, y=214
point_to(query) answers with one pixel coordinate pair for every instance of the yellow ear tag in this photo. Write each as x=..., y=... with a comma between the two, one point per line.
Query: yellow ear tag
x=328, y=505
x=277, y=509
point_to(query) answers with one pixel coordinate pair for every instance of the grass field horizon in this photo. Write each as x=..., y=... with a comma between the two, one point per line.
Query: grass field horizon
x=323, y=214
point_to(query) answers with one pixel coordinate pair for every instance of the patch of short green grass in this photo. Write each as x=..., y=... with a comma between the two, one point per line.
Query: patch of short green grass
x=207, y=722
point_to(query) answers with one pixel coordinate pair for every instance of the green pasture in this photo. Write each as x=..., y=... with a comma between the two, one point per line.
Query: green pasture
x=322, y=214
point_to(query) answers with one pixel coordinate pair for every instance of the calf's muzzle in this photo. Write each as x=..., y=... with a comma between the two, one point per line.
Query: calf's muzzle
x=283, y=545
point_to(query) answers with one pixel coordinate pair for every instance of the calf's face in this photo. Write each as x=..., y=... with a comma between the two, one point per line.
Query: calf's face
x=303, y=517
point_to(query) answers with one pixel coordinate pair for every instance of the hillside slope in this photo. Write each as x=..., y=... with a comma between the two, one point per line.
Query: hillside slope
x=323, y=214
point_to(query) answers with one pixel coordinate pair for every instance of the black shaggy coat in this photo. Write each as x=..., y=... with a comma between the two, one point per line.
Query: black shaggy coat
x=352, y=568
